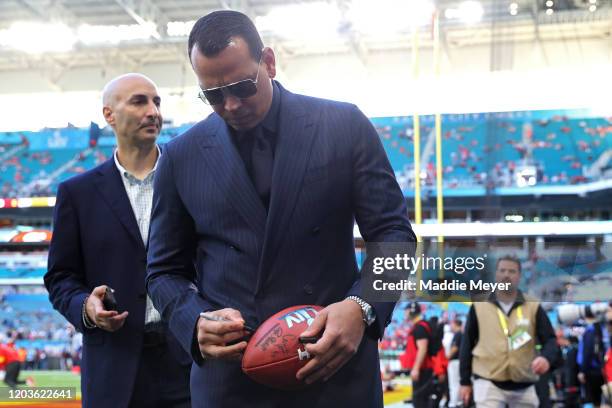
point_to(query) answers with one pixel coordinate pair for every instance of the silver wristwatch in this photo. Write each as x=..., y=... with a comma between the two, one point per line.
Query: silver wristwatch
x=367, y=312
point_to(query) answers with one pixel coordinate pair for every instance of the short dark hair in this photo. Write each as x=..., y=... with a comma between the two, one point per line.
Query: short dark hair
x=414, y=309
x=458, y=322
x=511, y=258
x=214, y=32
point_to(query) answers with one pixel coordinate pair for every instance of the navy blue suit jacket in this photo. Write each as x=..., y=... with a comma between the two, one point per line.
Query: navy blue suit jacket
x=212, y=244
x=96, y=241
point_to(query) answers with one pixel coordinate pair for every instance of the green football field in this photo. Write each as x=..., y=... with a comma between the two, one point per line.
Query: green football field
x=54, y=379
x=69, y=379
x=45, y=379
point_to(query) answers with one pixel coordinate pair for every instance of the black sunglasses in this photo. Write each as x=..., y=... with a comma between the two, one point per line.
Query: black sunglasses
x=241, y=89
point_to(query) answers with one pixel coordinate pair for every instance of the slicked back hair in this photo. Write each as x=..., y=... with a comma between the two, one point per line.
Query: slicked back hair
x=214, y=32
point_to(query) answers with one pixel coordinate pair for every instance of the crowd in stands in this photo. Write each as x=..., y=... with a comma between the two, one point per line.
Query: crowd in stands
x=490, y=151
x=31, y=173
x=478, y=150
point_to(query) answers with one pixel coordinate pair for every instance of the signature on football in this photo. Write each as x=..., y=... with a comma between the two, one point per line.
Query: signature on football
x=278, y=343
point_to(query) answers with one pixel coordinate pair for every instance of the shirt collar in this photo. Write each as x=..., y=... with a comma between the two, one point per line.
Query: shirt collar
x=131, y=177
x=519, y=300
x=270, y=122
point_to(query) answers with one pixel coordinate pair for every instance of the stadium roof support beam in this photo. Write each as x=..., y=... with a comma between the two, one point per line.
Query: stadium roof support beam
x=242, y=5
x=52, y=72
x=145, y=11
x=55, y=13
x=131, y=63
x=444, y=43
x=357, y=47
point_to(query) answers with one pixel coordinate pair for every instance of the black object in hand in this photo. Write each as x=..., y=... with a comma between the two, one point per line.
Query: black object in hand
x=309, y=340
x=109, y=301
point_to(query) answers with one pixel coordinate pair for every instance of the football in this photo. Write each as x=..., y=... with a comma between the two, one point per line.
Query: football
x=274, y=353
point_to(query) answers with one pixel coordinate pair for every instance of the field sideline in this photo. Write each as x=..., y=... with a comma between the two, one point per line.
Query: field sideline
x=51, y=378
x=54, y=378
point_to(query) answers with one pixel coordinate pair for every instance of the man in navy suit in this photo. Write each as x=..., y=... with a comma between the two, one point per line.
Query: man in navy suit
x=101, y=223
x=254, y=211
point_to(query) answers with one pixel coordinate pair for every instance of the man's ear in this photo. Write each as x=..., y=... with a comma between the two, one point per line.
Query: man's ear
x=108, y=115
x=269, y=60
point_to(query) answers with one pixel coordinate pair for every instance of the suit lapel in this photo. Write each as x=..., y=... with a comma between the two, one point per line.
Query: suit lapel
x=227, y=168
x=111, y=187
x=292, y=153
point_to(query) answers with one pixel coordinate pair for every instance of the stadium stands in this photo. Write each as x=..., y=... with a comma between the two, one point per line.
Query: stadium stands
x=487, y=149
x=484, y=150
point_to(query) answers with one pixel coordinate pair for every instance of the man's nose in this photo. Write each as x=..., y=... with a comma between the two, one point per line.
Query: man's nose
x=231, y=103
x=152, y=110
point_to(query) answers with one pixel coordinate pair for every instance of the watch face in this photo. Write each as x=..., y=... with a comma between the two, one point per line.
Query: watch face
x=370, y=316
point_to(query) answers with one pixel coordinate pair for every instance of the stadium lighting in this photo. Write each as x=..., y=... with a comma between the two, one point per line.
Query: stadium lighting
x=373, y=18
x=513, y=9
x=99, y=34
x=469, y=12
x=592, y=8
x=550, y=3
x=295, y=21
x=514, y=218
x=179, y=28
x=549, y=11
x=26, y=36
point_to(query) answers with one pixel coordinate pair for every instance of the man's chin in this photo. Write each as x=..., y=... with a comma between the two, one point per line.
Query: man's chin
x=146, y=138
x=242, y=125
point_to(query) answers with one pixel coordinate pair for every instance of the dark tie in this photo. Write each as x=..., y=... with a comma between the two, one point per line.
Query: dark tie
x=263, y=161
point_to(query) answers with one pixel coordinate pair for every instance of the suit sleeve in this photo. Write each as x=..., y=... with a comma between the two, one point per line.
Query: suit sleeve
x=378, y=203
x=65, y=277
x=171, y=273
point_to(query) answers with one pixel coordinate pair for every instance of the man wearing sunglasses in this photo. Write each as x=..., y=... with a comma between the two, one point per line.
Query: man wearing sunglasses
x=253, y=212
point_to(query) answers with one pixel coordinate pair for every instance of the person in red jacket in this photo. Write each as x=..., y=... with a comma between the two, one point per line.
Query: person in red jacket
x=417, y=359
x=9, y=360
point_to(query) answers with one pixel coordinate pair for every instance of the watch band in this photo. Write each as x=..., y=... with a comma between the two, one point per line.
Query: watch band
x=86, y=320
x=366, y=309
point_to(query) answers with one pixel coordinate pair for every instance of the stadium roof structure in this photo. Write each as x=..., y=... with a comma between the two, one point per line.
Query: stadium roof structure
x=94, y=33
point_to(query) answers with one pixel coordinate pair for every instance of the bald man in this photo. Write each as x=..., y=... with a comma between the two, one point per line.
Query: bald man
x=101, y=226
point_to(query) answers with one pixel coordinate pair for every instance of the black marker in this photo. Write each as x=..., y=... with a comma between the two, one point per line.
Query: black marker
x=214, y=318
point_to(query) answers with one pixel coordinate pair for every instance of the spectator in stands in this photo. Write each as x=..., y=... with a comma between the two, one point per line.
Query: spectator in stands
x=101, y=223
x=504, y=363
